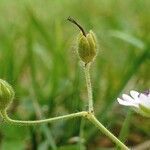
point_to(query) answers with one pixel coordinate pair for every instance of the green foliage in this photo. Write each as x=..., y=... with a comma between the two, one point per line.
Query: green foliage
x=38, y=58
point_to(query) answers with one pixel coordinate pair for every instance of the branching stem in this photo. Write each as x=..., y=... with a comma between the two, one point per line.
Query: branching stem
x=91, y=117
x=86, y=114
x=36, y=122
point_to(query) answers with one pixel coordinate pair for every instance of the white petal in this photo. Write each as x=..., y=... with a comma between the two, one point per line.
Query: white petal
x=142, y=97
x=135, y=95
x=127, y=98
x=127, y=103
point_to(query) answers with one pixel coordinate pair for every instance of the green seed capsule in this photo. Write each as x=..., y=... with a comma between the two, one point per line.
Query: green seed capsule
x=6, y=94
x=87, y=44
x=87, y=47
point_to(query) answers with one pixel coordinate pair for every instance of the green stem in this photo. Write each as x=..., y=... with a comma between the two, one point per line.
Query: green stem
x=81, y=134
x=35, y=122
x=91, y=116
x=89, y=87
x=94, y=120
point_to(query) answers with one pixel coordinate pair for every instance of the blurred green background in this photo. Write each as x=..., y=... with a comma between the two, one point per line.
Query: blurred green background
x=38, y=57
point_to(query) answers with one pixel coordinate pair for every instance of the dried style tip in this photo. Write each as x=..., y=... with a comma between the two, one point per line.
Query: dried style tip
x=6, y=94
x=78, y=25
x=87, y=44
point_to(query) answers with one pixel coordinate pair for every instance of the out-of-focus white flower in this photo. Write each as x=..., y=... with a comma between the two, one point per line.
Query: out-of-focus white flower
x=139, y=101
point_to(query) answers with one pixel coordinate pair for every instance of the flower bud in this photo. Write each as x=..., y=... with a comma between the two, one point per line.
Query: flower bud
x=6, y=94
x=87, y=47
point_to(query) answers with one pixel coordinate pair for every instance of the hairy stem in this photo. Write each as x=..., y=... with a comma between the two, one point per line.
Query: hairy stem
x=89, y=87
x=35, y=122
x=88, y=115
x=91, y=117
x=94, y=120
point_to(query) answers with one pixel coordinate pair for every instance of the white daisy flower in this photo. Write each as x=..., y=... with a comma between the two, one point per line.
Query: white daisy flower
x=139, y=101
